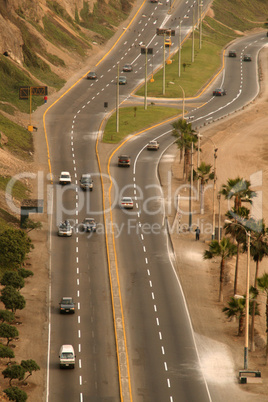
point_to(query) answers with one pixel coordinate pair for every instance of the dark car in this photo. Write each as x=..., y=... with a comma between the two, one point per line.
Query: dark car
x=67, y=305
x=232, y=53
x=219, y=92
x=124, y=160
x=127, y=68
x=89, y=225
x=247, y=57
x=92, y=76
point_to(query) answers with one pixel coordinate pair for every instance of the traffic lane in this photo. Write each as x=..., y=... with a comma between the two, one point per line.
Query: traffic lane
x=97, y=340
x=92, y=339
x=161, y=350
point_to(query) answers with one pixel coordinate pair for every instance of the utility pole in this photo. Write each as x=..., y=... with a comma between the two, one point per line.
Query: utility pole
x=190, y=189
x=117, y=100
x=214, y=194
x=198, y=162
x=145, y=87
x=193, y=39
x=164, y=65
x=219, y=218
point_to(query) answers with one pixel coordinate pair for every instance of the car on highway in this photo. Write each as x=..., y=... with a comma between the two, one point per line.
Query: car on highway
x=219, y=92
x=247, y=57
x=86, y=182
x=89, y=225
x=122, y=80
x=67, y=356
x=67, y=305
x=168, y=42
x=92, y=75
x=127, y=68
x=153, y=145
x=127, y=203
x=65, y=229
x=232, y=53
x=124, y=160
x=65, y=178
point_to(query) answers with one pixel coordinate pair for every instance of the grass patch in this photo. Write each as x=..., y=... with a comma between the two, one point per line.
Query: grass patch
x=19, y=190
x=134, y=119
x=193, y=75
x=7, y=108
x=20, y=141
x=11, y=78
x=59, y=36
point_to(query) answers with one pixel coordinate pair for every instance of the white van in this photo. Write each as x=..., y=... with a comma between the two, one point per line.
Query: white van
x=67, y=356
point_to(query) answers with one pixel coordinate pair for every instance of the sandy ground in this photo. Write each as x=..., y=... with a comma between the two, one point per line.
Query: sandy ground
x=243, y=151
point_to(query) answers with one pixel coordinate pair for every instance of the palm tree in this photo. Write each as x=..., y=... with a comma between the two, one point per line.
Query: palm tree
x=239, y=189
x=258, y=250
x=224, y=249
x=237, y=232
x=263, y=286
x=204, y=174
x=237, y=308
x=185, y=137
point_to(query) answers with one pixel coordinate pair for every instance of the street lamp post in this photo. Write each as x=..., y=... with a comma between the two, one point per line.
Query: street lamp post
x=219, y=218
x=179, y=54
x=183, y=102
x=247, y=294
x=200, y=27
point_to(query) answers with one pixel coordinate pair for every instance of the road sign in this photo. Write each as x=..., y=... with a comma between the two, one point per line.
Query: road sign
x=162, y=31
x=149, y=50
x=25, y=92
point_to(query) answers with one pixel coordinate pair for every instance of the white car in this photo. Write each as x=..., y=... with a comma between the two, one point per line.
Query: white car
x=65, y=178
x=153, y=145
x=127, y=202
x=65, y=229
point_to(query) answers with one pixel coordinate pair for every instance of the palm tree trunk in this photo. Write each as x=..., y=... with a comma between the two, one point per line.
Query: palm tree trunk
x=252, y=342
x=236, y=269
x=241, y=324
x=266, y=330
x=221, y=281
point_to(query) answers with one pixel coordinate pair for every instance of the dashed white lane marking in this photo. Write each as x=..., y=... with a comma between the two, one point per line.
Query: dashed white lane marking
x=79, y=347
x=142, y=236
x=163, y=350
x=153, y=295
x=80, y=363
x=144, y=249
x=78, y=306
x=165, y=365
x=160, y=336
x=77, y=282
x=80, y=380
x=78, y=319
x=79, y=333
x=157, y=321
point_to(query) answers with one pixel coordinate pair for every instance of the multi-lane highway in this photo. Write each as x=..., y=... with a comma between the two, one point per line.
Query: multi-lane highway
x=163, y=361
